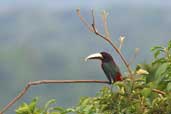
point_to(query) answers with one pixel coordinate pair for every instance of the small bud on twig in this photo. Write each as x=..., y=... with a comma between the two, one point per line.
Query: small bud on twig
x=141, y=72
x=136, y=52
x=121, y=39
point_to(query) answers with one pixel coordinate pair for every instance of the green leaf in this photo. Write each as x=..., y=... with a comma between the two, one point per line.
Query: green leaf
x=146, y=92
x=169, y=45
x=160, y=60
x=161, y=69
x=70, y=110
x=60, y=109
x=169, y=86
x=157, y=53
x=52, y=101
x=156, y=48
x=23, y=109
x=33, y=104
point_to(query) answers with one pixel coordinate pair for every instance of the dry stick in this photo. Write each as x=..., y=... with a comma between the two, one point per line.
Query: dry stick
x=136, y=52
x=104, y=18
x=84, y=21
x=47, y=82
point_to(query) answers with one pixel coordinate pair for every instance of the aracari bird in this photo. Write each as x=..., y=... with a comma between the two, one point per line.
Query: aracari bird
x=108, y=65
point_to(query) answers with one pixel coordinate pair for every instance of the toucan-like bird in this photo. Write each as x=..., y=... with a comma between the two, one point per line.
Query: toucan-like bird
x=108, y=65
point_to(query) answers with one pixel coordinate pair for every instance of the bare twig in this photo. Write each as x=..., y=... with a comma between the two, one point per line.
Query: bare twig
x=104, y=17
x=93, y=24
x=136, y=52
x=109, y=41
x=84, y=21
x=46, y=82
x=121, y=40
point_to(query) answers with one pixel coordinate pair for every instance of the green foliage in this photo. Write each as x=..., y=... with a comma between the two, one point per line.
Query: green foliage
x=163, y=55
x=130, y=98
x=138, y=96
x=32, y=108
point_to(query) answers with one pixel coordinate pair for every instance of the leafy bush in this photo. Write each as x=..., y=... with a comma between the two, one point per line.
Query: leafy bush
x=148, y=93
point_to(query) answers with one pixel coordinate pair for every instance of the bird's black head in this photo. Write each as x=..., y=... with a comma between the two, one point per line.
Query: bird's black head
x=103, y=56
x=106, y=57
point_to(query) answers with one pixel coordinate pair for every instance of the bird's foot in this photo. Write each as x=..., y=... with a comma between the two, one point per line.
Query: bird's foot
x=111, y=87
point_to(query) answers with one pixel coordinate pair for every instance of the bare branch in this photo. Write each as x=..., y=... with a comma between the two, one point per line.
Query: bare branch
x=94, y=23
x=104, y=18
x=84, y=21
x=92, y=13
x=23, y=92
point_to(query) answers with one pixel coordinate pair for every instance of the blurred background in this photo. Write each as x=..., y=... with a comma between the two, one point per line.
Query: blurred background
x=44, y=39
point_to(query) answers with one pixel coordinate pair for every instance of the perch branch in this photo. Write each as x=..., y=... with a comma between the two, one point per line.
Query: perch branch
x=46, y=82
x=106, y=39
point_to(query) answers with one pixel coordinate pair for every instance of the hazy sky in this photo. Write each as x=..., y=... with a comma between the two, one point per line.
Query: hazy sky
x=48, y=41
x=64, y=4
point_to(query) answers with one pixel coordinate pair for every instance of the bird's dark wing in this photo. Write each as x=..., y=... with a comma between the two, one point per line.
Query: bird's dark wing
x=107, y=72
x=111, y=70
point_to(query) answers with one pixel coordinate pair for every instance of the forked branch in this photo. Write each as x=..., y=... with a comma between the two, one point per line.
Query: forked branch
x=107, y=38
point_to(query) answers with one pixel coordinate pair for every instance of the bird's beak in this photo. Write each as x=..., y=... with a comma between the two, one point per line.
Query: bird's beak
x=94, y=56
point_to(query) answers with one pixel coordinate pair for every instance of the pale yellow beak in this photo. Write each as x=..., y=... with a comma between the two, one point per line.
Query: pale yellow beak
x=94, y=56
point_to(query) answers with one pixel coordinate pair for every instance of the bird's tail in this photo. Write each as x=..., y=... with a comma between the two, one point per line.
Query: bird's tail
x=118, y=77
